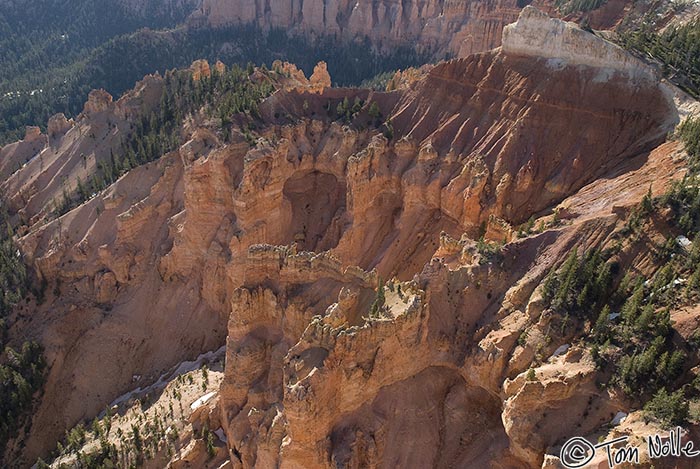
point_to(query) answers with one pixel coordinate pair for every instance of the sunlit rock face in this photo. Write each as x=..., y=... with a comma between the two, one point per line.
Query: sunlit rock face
x=450, y=27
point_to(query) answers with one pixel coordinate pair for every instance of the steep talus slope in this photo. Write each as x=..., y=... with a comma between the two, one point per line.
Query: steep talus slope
x=510, y=119
x=76, y=149
x=282, y=245
x=104, y=309
x=13, y=156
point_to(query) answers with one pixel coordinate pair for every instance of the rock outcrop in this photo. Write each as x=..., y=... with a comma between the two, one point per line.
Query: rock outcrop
x=200, y=69
x=75, y=149
x=320, y=79
x=537, y=35
x=58, y=126
x=32, y=134
x=98, y=101
x=219, y=66
x=291, y=78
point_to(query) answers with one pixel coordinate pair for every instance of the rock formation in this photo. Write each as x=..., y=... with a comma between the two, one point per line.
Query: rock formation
x=537, y=35
x=219, y=66
x=453, y=27
x=338, y=261
x=58, y=126
x=200, y=69
x=98, y=101
x=320, y=78
x=32, y=134
x=294, y=79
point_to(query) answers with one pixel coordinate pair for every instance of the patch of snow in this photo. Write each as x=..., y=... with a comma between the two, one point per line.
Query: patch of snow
x=556, y=63
x=612, y=316
x=187, y=366
x=220, y=433
x=561, y=350
x=618, y=419
x=683, y=241
x=165, y=378
x=202, y=400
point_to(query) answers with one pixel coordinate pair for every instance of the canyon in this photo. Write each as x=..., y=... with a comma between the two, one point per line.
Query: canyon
x=342, y=263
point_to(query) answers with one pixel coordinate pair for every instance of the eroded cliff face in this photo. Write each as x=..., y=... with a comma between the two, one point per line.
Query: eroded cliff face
x=450, y=27
x=280, y=249
x=456, y=27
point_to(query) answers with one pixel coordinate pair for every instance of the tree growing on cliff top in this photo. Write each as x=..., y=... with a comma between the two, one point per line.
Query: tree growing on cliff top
x=668, y=408
x=378, y=302
x=374, y=111
x=388, y=130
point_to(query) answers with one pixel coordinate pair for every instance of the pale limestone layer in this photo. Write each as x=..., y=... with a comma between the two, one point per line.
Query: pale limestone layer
x=536, y=34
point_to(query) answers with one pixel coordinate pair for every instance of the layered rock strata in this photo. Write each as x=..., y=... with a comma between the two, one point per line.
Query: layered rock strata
x=451, y=27
x=454, y=27
x=338, y=262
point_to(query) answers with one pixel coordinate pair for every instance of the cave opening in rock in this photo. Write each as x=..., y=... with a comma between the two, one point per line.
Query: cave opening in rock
x=317, y=202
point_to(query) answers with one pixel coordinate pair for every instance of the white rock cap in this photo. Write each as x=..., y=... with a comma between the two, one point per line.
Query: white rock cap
x=537, y=35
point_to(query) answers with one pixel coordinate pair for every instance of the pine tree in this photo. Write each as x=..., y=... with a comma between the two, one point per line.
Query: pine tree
x=374, y=111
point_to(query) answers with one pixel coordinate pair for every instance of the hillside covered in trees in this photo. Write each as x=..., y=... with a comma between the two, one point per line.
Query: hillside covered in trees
x=21, y=368
x=52, y=56
x=676, y=49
